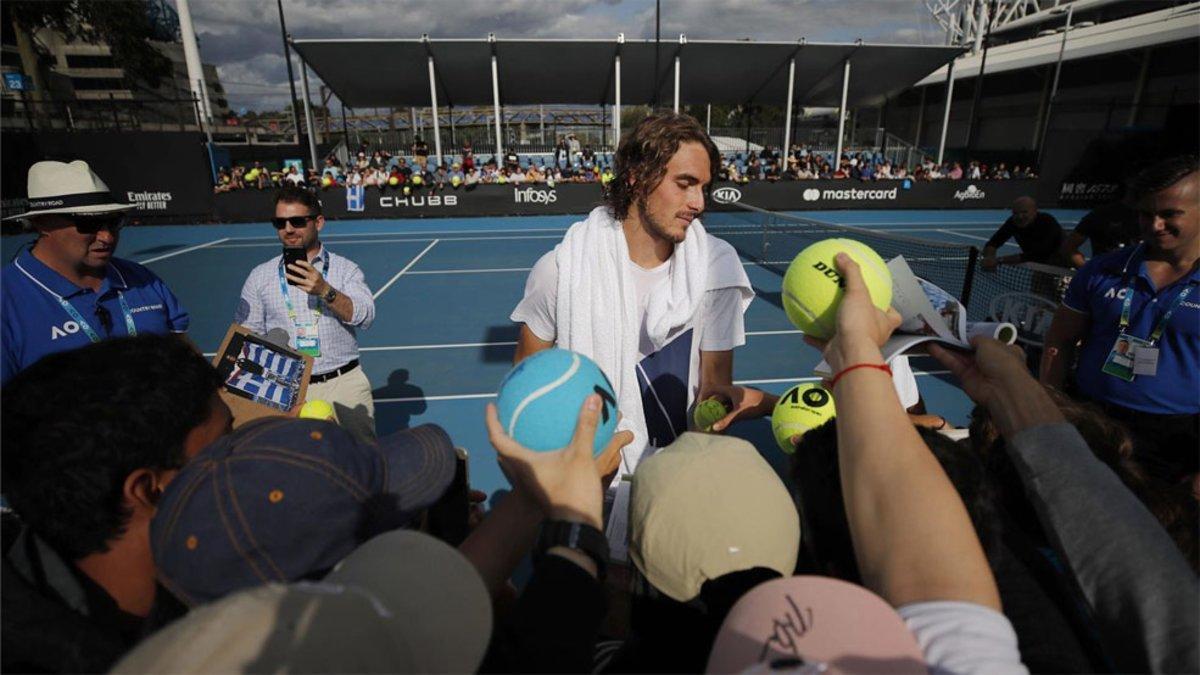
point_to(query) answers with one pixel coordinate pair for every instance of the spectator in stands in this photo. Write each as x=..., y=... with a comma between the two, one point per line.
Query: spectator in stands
x=1038, y=234
x=472, y=178
x=956, y=172
x=511, y=161
x=86, y=461
x=363, y=163
x=1108, y=227
x=573, y=147
x=224, y=184
x=293, y=177
x=588, y=157
x=456, y=176
x=1143, y=595
x=68, y=288
x=322, y=310
x=420, y=151
x=1146, y=296
x=562, y=152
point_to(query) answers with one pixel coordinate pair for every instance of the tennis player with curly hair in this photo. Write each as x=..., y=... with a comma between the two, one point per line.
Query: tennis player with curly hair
x=642, y=289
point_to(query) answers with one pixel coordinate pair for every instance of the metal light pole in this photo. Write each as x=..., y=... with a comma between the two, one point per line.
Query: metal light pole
x=1062, y=48
x=287, y=57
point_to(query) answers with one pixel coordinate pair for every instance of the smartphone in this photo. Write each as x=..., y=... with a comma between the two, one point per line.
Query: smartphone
x=292, y=254
x=448, y=518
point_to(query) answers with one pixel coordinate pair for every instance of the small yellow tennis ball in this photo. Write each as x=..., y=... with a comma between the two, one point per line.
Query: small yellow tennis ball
x=407, y=190
x=800, y=409
x=813, y=287
x=316, y=409
x=707, y=413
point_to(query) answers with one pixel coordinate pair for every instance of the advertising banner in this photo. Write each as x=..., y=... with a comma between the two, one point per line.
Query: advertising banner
x=579, y=198
x=165, y=173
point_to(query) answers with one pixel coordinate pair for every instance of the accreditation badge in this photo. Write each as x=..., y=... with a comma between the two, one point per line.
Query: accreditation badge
x=307, y=339
x=1122, y=360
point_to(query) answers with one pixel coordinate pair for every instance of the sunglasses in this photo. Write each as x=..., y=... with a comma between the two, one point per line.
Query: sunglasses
x=93, y=224
x=298, y=222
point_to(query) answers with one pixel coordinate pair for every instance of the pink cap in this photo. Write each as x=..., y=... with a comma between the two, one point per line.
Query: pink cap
x=828, y=625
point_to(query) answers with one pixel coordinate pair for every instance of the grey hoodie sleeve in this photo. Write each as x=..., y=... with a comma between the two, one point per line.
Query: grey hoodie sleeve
x=1145, y=597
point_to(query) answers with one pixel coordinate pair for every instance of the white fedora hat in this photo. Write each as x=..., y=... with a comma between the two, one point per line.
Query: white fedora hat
x=58, y=187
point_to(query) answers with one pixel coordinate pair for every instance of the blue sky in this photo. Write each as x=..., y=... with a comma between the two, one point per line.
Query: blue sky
x=241, y=37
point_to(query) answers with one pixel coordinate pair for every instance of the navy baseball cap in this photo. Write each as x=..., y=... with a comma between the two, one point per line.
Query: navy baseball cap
x=285, y=499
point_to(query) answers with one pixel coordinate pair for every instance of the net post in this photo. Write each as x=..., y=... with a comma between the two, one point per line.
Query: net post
x=969, y=279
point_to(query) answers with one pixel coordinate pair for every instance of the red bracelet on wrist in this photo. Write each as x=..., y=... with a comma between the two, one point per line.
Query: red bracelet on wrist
x=877, y=366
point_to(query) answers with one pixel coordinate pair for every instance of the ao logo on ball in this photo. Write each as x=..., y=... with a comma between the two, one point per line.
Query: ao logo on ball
x=815, y=398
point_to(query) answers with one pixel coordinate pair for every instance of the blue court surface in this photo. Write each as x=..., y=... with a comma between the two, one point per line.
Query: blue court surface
x=444, y=288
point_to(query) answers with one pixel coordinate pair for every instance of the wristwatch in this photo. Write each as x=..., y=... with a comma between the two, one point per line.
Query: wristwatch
x=577, y=536
x=330, y=295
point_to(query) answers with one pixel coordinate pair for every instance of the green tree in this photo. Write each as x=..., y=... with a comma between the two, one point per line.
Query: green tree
x=122, y=24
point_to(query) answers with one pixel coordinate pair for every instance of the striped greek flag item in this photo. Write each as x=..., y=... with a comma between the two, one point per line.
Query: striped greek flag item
x=285, y=368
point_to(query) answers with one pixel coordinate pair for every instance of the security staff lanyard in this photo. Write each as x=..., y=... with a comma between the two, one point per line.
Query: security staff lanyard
x=287, y=298
x=1127, y=280
x=87, y=329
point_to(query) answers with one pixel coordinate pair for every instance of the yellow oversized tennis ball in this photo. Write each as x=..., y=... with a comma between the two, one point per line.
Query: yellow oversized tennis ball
x=813, y=287
x=417, y=180
x=316, y=409
x=455, y=181
x=393, y=181
x=252, y=174
x=326, y=181
x=803, y=407
x=707, y=413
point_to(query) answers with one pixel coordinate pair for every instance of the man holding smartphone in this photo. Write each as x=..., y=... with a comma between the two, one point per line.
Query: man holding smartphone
x=321, y=299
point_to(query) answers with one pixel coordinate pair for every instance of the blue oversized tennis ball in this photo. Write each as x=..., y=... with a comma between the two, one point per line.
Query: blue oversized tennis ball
x=540, y=400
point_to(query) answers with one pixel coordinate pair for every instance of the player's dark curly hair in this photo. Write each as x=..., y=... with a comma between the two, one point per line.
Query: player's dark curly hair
x=643, y=156
x=1163, y=174
x=75, y=424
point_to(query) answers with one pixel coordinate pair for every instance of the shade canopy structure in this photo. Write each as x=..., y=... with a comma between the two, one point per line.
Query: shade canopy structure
x=367, y=73
x=391, y=73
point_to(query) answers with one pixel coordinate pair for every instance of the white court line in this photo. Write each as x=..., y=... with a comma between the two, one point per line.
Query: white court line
x=406, y=268
x=784, y=380
x=182, y=251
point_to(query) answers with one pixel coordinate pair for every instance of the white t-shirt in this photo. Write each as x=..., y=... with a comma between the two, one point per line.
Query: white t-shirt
x=962, y=638
x=904, y=381
x=670, y=376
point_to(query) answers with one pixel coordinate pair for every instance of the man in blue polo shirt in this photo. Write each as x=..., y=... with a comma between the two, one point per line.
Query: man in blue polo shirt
x=68, y=289
x=1137, y=312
